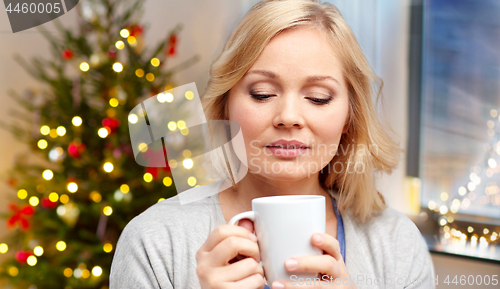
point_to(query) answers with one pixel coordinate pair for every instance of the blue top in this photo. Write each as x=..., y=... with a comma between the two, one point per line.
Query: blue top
x=340, y=233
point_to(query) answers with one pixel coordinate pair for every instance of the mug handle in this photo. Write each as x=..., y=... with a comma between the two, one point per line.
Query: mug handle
x=245, y=215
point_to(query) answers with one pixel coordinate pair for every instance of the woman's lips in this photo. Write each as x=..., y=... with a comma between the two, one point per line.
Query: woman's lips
x=287, y=152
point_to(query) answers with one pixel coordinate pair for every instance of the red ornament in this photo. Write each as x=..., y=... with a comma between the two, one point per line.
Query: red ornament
x=12, y=182
x=111, y=124
x=48, y=204
x=155, y=172
x=112, y=54
x=156, y=162
x=20, y=216
x=67, y=54
x=172, y=44
x=171, y=51
x=22, y=256
x=135, y=30
x=75, y=149
x=173, y=39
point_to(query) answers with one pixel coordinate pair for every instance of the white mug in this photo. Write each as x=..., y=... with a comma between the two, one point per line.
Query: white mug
x=284, y=226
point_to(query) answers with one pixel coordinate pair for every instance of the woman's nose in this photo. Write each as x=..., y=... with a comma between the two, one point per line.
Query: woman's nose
x=288, y=112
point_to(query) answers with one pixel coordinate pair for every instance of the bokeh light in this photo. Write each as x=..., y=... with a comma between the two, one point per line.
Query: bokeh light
x=84, y=66
x=48, y=175
x=22, y=194
x=107, y=211
x=77, y=121
x=61, y=246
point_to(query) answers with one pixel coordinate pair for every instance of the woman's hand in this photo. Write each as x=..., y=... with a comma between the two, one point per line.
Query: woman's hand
x=219, y=259
x=330, y=266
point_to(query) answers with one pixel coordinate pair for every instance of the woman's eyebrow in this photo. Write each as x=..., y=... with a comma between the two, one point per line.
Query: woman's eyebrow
x=308, y=80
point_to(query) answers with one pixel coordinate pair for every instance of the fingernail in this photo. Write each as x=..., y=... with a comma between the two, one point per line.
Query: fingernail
x=252, y=237
x=278, y=285
x=317, y=238
x=291, y=264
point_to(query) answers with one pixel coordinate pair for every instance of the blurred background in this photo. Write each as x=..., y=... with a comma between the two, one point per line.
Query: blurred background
x=68, y=179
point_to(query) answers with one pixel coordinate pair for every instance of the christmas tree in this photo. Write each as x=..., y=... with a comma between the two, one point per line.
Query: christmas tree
x=67, y=212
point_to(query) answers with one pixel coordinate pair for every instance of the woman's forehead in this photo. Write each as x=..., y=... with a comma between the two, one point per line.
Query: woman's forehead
x=302, y=51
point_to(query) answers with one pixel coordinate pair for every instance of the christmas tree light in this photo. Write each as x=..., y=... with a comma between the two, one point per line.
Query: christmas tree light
x=97, y=271
x=124, y=33
x=45, y=130
x=124, y=188
x=77, y=121
x=4, y=248
x=42, y=144
x=72, y=187
x=107, y=211
x=53, y=197
x=132, y=40
x=84, y=66
x=139, y=72
x=34, y=201
x=48, y=175
x=61, y=246
x=119, y=44
x=61, y=130
x=155, y=62
x=118, y=67
x=107, y=248
x=167, y=181
x=22, y=194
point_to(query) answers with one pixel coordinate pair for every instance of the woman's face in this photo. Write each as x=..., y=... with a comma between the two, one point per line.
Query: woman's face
x=292, y=106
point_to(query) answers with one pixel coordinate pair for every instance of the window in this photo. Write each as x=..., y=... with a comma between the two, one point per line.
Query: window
x=458, y=125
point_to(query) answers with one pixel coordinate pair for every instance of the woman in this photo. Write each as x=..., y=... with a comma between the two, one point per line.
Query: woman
x=293, y=77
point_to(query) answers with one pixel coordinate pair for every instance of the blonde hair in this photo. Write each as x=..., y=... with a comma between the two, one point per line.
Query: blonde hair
x=379, y=152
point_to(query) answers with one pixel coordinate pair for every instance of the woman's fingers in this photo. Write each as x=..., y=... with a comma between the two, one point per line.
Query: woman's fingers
x=223, y=244
x=222, y=232
x=230, y=247
x=324, y=264
x=247, y=224
x=242, y=269
x=254, y=281
x=331, y=263
x=328, y=244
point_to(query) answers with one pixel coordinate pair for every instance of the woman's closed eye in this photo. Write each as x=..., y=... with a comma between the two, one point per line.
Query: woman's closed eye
x=320, y=101
x=261, y=97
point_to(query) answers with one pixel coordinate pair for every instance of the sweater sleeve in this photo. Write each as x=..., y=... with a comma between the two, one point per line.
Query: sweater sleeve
x=417, y=270
x=133, y=261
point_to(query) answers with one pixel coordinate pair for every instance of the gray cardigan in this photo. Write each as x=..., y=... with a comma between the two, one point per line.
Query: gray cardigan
x=157, y=248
